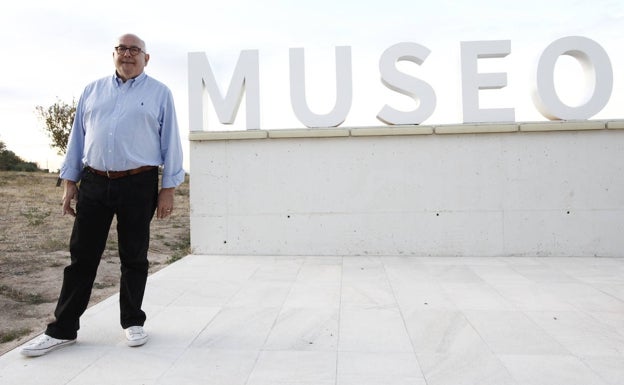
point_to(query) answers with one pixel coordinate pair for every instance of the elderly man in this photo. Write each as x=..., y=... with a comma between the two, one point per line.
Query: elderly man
x=125, y=128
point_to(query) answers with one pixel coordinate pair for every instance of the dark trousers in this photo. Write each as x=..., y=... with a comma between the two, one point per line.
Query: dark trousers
x=133, y=200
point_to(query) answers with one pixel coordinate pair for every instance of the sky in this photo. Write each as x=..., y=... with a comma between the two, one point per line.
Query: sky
x=52, y=49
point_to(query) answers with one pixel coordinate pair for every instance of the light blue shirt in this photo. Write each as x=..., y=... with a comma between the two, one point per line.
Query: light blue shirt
x=122, y=126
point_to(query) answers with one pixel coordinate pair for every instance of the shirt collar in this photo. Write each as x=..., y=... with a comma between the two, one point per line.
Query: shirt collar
x=133, y=81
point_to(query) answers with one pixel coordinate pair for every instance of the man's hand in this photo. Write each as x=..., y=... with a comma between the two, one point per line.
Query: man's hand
x=165, y=203
x=70, y=192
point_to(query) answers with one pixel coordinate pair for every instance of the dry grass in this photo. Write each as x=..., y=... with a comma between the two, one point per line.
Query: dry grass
x=33, y=252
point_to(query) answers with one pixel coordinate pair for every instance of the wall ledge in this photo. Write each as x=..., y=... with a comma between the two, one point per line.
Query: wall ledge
x=309, y=133
x=392, y=130
x=563, y=126
x=616, y=124
x=476, y=128
x=227, y=135
x=451, y=129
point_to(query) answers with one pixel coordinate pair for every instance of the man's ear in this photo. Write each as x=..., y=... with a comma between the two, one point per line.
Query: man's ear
x=147, y=57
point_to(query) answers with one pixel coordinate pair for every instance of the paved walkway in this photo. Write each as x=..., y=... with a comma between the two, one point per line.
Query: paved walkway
x=356, y=321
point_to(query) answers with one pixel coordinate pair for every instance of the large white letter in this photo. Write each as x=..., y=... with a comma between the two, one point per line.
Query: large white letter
x=598, y=75
x=343, y=90
x=245, y=79
x=472, y=81
x=397, y=81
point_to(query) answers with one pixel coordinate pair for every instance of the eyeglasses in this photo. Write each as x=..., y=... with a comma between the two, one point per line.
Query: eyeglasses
x=121, y=50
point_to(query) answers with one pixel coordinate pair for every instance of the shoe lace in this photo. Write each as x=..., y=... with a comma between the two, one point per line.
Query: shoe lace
x=40, y=341
x=44, y=339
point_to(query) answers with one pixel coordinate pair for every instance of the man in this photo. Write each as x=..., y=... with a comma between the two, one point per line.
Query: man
x=125, y=128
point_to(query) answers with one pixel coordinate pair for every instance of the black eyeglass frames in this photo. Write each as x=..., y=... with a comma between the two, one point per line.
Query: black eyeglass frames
x=121, y=50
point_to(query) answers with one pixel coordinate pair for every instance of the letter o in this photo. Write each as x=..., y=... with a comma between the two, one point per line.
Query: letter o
x=598, y=71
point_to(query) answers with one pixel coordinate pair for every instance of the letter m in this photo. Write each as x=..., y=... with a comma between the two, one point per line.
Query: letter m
x=245, y=78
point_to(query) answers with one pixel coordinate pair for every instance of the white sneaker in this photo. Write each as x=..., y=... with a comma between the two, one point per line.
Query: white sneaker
x=44, y=344
x=136, y=335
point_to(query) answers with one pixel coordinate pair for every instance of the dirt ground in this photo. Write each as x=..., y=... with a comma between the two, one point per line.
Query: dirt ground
x=34, y=239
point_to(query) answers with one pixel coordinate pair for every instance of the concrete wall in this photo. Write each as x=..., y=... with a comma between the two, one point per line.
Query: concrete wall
x=543, y=189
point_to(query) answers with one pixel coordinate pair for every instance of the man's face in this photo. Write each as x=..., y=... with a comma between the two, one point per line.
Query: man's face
x=127, y=65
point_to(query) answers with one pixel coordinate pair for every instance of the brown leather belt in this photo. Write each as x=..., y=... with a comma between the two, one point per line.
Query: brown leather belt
x=120, y=174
